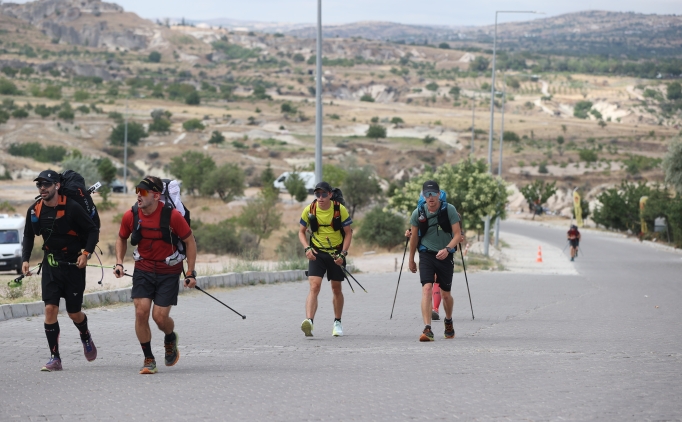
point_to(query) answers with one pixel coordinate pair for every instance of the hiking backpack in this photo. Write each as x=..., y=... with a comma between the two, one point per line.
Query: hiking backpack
x=442, y=218
x=170, y=198
x=337, y=224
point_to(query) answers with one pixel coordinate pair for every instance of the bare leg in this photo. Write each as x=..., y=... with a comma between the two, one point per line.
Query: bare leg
x=51, y=312
x=448, y=303
x=337, y=301
x=427, y=293
x=311, y=300
x=142, y=308
x=161, y=315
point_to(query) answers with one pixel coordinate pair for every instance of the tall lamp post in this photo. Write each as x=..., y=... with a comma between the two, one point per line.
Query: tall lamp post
x=318, y=98
x=486, y=236
x=125, y=151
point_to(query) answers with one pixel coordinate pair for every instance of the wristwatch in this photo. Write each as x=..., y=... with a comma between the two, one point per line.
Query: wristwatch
x=451, y=250
x=344, y=253
x=192, y=274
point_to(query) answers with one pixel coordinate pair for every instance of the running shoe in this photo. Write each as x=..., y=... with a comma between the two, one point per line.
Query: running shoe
x=338, y=329
x=572, y=259
x=427, y=334
x=149, y=366
x=307, y=327
x=89, y=349
x=54, y=364
x=449, y=329
x=172, y=352
x=434, y=315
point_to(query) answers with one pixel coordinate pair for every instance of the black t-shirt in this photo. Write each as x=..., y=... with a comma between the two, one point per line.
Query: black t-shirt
x=76, y=219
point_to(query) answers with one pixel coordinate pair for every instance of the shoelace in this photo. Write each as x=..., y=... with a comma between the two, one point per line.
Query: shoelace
x=168, y=347
x=148, y=361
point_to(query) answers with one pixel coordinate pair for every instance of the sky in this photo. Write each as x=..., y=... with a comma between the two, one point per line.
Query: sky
x=434, y=12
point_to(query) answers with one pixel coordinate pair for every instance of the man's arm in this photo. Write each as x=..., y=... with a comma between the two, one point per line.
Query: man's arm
x=121, y=248
x=414, y=240
x=456, y=235
x=27, y=244
x=348, y=237
x=191, y=249
x=84, y=224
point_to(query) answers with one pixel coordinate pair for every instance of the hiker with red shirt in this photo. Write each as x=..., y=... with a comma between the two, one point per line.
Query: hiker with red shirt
x=157, y=266
x=574, y=239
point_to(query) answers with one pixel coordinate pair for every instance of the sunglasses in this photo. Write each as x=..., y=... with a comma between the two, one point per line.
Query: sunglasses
x=141, y=192
x=321, y=194
x=430, y=194
x=44, y=184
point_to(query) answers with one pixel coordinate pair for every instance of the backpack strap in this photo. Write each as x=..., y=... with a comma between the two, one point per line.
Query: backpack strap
x=167, y=234
x=442, y=220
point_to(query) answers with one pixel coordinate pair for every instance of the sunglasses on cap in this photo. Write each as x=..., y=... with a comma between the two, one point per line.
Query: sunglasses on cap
x=44, y=184
x=321, y=194
x=430, y=194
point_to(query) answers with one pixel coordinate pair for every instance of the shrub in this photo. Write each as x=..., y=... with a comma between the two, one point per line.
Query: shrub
x=216, y=138
x=66, y=112
x=20, y=113
x=432, y=86
x=49, y=154
x=376, y=132
x=154, y=57
x=510, y=136
x=136, y=132
x=382, y=228
x=81, y=95
x=192, y=168
x=193, y=98
x=192, y=125
x=53, y=92
x=444, y=45
x=160, y=125
x=42, y=110
x=288, y=108
x=588, y=155
x=8, y=87
x=221, y=238
x=367, y=98
x=581, y=109
x=227, y=181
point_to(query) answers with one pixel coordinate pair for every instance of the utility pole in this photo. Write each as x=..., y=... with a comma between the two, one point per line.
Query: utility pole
x=125, y=151
x=473, y=123
x=318, y=98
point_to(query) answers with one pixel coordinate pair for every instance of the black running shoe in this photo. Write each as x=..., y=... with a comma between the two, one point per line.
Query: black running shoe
x=434, y=315
x=449, y=329
x=172, y=352
x=427, y=334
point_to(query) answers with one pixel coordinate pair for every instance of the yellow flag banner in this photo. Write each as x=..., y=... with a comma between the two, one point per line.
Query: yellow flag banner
x=642, y=204
x=577, y=209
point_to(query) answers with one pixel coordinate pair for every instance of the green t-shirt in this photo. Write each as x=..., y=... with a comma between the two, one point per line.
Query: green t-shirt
x=435, y=239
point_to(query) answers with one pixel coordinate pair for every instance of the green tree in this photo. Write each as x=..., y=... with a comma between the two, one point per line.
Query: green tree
x=20, y=113
x=160, y=125
x=538, y=193
x=193, y=124
x=444, y=45
x=193, y=98
x=81, y=95
x=135, y=133
x=192, y=168
x=220, y=238
x=455, y=92
x=216, y=138
x=66, y=112
x=428, y=140
x=261, y=217
x=432, y=86
x=227, y=181
x=618, y=207
x=367, y=98
x=4, y=116
x=382, y=228
x=581, y=109
x=479, y=64
x=8, y=87
x=470, y=188
x=360, y=187
x=154, y=57
x=296, y=186
x=672, y=165
x=42, y=110
x=107, y=174
x=267, y=179
x=588, y=155
x=376, y=132
x=510, y=136
x=334, y=175
x=674, y=91
x=85, y=166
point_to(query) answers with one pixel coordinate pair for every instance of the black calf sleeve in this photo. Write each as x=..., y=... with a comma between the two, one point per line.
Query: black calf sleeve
x=52, y=334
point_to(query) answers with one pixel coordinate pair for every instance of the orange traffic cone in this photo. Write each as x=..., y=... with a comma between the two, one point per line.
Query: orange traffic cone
x=539, y=258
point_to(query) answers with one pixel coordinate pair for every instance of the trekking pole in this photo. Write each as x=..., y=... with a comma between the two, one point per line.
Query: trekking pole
x=565, y=246
x=17, y=281
x=218, y=300
x=351, y=276
x=334, y=255
x=399, y=274
x=467, y=281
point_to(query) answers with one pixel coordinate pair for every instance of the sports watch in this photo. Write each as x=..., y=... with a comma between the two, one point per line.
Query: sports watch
x=192, y=274
x=344, y=253
x=451, y=250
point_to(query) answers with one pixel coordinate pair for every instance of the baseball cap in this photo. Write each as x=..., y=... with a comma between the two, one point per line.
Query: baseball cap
x=49, y=175
x=323, y=185
x=430, y=186
x=148, y=184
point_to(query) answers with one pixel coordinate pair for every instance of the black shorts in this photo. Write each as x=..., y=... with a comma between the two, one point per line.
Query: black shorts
x=65, y=281
x=324, y=263
x=161, y=288
x=574, y=242
x=430, y=266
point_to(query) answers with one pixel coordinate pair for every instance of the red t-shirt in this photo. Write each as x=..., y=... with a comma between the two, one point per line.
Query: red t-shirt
x=152, y=248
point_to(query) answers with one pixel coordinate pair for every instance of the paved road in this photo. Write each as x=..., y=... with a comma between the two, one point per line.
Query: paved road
x=542, y=347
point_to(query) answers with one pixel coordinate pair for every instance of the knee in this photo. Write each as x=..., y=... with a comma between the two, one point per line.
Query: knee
x=160, y=319
x=315, y=288
x=427, y=289
x=336, y=289
x=142, y=314
x=51, y=311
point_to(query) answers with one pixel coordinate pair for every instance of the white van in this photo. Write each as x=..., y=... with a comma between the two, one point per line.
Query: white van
x=308, y=178
x=11, y=235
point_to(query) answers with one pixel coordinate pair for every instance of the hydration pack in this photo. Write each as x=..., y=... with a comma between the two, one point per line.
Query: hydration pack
x=441, y=217
x=336, y=223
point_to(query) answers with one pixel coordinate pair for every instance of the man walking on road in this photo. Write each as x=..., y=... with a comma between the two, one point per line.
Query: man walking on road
x=156, y=229
x=574, y=240
x=62, y=222
x=439, y=232
x=329, y=224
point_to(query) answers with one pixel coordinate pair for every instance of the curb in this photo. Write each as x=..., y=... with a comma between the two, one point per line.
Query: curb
x=108, y=297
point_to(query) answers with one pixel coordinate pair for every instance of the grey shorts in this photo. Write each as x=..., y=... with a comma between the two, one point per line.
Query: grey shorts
x=161, y=288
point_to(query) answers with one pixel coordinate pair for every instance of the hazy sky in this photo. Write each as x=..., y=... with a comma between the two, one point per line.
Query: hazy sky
x=438, y=12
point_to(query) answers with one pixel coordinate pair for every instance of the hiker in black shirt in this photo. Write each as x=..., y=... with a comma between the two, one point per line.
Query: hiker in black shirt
x=64, y=226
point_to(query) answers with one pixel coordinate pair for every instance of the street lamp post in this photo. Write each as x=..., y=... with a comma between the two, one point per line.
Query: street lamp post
x=318, y=98
x=486, y=236
x=473, y=120
x=125, y=152
x=499, y=165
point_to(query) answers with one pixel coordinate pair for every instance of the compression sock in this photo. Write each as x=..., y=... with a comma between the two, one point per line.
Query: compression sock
x=169, y=338
x=52, y=334
x=147, y=350
x=83, y=328
x=436, y=297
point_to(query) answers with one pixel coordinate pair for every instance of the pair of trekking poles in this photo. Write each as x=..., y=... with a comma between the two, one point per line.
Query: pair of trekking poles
x=401, y=272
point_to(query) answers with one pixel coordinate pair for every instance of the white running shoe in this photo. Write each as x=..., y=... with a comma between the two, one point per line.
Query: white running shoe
x=307, y=327
x=338, y=329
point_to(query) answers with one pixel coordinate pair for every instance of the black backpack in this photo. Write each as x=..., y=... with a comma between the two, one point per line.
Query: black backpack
x=73, y=187
x=337, y=224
